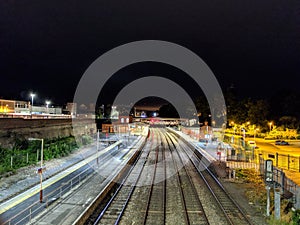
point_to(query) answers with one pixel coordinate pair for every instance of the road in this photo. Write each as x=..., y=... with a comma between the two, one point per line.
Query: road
x=267, y=146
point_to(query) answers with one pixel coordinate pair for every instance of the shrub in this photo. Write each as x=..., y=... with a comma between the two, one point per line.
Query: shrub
x=296, y=217
x=86, y=140
x=54, y=148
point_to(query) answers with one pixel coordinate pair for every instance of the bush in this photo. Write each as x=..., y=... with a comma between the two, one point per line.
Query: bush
x=296, y=217
x=86, y=140
x=54, y=148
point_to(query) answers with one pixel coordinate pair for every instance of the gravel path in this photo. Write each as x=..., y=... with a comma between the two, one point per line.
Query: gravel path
x=237, y=191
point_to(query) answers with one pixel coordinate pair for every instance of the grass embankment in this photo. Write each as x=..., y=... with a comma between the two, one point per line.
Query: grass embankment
x=256, y=194
x=26, y=153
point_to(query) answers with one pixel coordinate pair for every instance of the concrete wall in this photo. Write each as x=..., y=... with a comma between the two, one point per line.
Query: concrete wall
x=12, y=129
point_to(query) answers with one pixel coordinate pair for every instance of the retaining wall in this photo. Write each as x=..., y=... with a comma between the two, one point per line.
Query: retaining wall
x=13, y=129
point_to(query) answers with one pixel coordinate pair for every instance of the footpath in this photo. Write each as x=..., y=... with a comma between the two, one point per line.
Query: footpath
x=27, y=177
x=211, y=150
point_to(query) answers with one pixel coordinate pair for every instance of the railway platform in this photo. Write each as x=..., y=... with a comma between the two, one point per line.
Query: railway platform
x=72, y=206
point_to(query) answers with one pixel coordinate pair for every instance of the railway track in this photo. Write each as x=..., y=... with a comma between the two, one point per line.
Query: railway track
x=163, y=187
x=191, y=204
x=231, y=210
x=113, y=210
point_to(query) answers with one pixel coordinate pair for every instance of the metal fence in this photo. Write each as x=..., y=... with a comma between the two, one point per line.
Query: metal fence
x=242, y=165
x=25, y=216
x=283, y=161
x=289, y=189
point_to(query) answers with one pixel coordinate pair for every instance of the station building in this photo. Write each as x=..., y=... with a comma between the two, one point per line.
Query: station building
x=14, y=106
x=24, y=107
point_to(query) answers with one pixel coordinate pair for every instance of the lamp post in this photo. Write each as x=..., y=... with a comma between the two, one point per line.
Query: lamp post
x=244, y=136
x=257, y=129
x=270, y=126
x=40, y=170
x=32, y=96
x=232, y=138
x=47, y=105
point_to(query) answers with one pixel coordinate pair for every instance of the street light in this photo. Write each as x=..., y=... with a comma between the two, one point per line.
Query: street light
x=32, y=96
x=47, y=105
x=232, y=138
x=270, y=126
x=40, y=170
x=244, y=136
x=257, y=129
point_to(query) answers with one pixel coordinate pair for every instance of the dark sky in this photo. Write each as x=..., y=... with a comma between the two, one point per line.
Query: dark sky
x=45, y=46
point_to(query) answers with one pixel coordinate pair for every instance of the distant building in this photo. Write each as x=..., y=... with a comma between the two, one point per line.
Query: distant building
x=114, y=113
x=125, y=119
x=120, y=126
x=206, y=132
x=71, y=109
x=46, y=110
x=145, y=111
x=14, y=106
x=24, y=107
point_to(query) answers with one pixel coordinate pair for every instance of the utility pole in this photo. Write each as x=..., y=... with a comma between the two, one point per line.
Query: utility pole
x=97, y=144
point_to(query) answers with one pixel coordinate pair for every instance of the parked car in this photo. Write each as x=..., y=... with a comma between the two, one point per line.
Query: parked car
x=252, y=144
x=281, y=142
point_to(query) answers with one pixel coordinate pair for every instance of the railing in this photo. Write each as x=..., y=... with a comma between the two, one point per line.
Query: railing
x=26, y=215
x=35, y=208
x=282, y=161
x=289, y=189
x=35, y=116
x=287, y=162
x=287, y=186
x=243, y=165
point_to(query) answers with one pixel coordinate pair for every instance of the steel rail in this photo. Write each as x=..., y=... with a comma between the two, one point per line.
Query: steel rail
x=102, y=214
x=192, y=185
x=219, y=185
x=186, y=217
x=151, y=186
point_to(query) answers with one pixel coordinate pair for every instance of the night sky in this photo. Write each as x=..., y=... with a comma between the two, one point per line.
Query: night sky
x=45, y=46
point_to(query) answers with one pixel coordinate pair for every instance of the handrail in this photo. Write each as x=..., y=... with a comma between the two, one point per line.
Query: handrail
x=91, y=158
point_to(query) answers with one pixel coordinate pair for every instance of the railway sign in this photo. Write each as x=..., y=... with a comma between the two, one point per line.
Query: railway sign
x=41, y=169
x=269, y=171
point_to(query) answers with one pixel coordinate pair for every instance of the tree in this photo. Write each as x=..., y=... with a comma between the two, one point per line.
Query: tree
x=258, y=112
x=202, y=107
x=289, y=122
x=168, y=110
